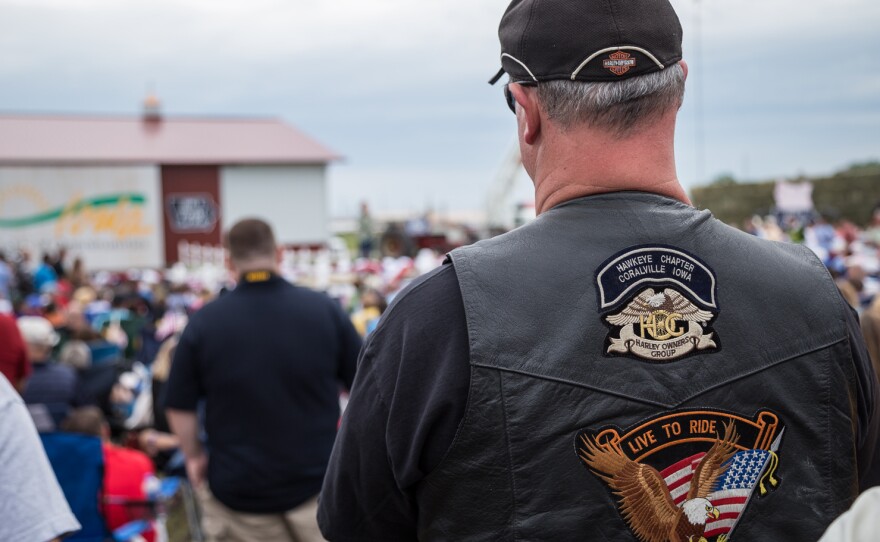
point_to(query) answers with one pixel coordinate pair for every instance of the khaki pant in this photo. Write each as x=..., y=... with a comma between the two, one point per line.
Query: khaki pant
x=222, y=524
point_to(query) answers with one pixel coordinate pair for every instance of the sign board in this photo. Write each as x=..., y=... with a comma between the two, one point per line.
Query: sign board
x=110, y=216
x=793, y=197
x=192, y=213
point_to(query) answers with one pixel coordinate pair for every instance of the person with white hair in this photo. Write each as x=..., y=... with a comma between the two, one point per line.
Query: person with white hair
x=52, y=385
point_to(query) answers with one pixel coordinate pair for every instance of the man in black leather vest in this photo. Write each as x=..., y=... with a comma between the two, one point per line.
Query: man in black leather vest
x=625, y=367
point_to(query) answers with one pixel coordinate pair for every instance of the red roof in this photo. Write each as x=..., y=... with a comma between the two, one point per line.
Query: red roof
x=32, y=139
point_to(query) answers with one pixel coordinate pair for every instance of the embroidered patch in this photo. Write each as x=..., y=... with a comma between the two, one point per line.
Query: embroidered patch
x=685, y=476
x=659, y=302
x=619, y=62
x=257, y=276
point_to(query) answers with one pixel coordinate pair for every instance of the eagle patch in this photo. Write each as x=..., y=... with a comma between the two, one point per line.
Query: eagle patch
x=686, y=476
x=659, y=302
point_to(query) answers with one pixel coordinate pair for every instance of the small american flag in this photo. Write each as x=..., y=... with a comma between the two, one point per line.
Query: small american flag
x=733, y=488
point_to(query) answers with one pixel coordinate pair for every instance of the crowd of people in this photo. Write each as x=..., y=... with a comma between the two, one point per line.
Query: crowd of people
x=850, y=253
x=840, y=243
x=91, y=352
x=620, y=368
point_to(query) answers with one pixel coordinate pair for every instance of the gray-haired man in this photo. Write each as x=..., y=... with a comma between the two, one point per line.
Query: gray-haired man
x=626, y=366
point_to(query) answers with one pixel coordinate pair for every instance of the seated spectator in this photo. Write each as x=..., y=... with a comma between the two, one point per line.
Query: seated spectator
x=95, y=382
x=126, y=472
x=870, y=323
x=76, y=354
x=78, y=275
x=51, y=385
x=852, y=285
x=161, y=369
x=14, y=364
x=45, y=277
x=373, y=305
x=6, y=278
x=157, y=442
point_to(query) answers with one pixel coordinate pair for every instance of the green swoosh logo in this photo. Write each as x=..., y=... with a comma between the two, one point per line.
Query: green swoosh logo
x=108, y=200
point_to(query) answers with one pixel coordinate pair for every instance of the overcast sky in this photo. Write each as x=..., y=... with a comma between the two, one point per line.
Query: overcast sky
x=399, y=88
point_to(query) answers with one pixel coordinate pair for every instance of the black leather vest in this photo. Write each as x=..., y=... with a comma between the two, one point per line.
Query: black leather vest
x=627, y=336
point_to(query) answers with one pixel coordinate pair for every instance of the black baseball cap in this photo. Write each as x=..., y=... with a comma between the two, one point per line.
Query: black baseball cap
x=587, y=40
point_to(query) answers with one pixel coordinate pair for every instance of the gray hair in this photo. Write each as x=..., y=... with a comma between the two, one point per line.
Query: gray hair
x=619, y=107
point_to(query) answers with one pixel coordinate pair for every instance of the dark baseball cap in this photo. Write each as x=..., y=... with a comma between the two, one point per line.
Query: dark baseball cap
x=587, y=40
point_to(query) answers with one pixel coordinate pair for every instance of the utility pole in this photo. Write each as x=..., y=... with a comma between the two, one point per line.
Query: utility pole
x=699, y=133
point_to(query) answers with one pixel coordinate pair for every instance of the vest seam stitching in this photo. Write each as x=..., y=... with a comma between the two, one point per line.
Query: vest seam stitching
x=828, y=452
x=509, y=452
x=468, y=407
x=460, y=264
x=456, y=439
x=652, y=402
x=569, y=382
x=747, y=374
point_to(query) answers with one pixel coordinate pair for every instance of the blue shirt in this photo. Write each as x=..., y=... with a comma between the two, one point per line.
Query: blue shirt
x=53, y=385
x=5, y=280
x=45, y=274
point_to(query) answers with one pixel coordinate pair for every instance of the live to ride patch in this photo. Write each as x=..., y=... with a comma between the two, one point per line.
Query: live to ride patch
x=686, y=475
x=659, y=302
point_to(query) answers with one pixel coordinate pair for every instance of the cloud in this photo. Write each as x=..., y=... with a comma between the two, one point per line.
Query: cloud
x=748, y=25
x=399, y=86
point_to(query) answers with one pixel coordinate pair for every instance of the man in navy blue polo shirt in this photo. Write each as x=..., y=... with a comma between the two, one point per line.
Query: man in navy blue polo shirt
x=268, y=360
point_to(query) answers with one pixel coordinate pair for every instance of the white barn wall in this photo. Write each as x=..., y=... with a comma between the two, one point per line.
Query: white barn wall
x=293, y=199
x=110, y=216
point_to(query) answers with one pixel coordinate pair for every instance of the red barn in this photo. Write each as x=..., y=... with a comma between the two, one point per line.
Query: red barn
x=125, y=191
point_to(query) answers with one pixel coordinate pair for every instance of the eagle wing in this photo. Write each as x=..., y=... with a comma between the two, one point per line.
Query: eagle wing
x=637, y=307
x=688, y=311
x=645, y=501
x=714, y=463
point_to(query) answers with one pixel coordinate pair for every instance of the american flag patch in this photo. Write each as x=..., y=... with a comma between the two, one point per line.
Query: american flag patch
x=733, y=489
x=720, y=460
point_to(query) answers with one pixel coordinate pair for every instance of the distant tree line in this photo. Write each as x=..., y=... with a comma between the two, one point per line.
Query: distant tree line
x=852, y=194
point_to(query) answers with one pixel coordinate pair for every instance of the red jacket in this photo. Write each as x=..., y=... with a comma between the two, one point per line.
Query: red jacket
x=14, y=364
x=124, y=473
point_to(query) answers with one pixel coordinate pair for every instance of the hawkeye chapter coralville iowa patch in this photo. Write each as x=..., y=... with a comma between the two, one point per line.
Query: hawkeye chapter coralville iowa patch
x=658, y=301
x=685, y=476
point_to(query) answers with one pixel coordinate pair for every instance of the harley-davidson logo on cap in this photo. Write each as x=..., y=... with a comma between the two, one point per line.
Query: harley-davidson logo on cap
x=619, y=62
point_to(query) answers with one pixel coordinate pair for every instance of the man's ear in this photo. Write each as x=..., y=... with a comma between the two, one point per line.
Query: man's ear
x=528, y=111
x=684, y=66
